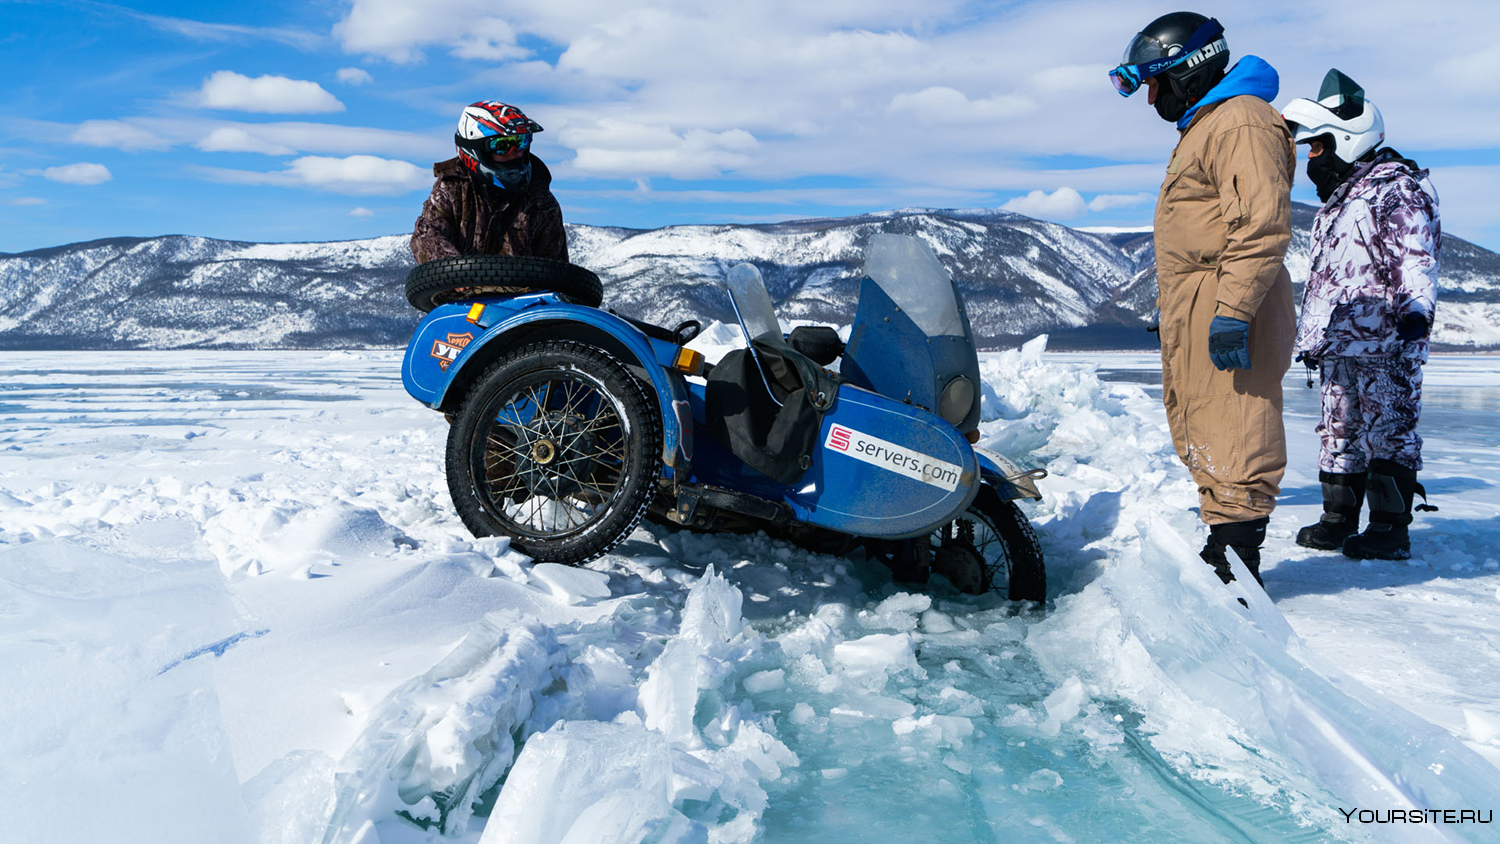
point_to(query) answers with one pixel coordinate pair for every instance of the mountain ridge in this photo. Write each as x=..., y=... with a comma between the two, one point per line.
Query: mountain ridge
x=1019, y=276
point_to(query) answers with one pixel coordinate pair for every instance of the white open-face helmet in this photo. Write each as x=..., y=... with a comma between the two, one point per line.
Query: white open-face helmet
x=1341, y=111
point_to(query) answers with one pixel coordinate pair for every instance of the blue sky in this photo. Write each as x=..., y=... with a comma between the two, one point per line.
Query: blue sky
x=319, y=121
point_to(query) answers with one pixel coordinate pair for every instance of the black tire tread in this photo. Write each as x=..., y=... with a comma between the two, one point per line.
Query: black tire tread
x=1028, y=573
x=640, y=493
x=427, y=284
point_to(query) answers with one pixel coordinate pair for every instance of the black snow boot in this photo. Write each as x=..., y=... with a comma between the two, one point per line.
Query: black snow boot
x=1343, y=494
x=1244, y=537
x=1390, y=488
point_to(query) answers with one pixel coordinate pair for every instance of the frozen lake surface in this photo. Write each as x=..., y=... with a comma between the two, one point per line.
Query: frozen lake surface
x=235, y=605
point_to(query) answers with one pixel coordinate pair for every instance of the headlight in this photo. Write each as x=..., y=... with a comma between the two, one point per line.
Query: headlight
x=957, y=400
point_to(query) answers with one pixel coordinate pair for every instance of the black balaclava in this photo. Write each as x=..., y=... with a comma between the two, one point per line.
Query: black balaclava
x=515, y=175
x=1172, y=102
x=1327, y=171
x=1169, y=105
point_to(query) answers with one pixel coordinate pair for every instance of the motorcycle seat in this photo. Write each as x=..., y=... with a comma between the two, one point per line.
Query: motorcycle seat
x=820, y=343
x=770, y=417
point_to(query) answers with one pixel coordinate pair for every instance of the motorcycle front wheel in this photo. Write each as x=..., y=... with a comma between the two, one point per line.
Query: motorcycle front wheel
x=556, y=446
x=991, y=547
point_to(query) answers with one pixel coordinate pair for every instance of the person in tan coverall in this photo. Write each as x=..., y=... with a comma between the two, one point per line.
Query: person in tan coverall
x=1223, y=223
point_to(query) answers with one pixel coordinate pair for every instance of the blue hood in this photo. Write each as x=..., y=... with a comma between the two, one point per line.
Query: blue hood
x=1250, y=75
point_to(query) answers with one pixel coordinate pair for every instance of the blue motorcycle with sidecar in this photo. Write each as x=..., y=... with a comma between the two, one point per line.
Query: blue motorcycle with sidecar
x=570, y=423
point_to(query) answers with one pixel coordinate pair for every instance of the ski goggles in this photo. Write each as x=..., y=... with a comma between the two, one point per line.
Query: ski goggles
x=506, y=144
x=1207, y=40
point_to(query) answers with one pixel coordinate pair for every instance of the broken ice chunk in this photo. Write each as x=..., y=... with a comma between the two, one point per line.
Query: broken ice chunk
x=765, y=681
x=870, y=659
x=584, y=781
x=1063, y=705
x=571, y=585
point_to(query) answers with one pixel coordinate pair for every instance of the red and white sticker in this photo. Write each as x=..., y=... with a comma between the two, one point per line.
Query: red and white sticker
x=893, y=458
x=446, y=351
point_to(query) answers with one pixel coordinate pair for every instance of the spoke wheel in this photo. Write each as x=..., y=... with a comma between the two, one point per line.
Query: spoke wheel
x=991, y=547
x=556, y=447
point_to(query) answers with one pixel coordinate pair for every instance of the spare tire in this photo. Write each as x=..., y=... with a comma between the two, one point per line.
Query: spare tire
x=453, y=279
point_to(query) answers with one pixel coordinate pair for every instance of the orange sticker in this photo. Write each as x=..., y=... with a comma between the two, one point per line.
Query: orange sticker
x=446, y=351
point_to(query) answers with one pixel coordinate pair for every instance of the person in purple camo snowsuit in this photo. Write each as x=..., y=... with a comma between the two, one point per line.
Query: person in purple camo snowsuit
x=1367, y=311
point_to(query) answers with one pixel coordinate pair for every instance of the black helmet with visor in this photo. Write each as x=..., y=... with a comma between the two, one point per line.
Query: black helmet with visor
x=1187, y=47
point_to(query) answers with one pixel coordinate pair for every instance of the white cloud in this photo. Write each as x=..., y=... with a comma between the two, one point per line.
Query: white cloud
x=344, y=140
x=360, y=174
x=201, y=31
x=236, y=139
x=944, y=104
x=277, y=138
x=488, y=39
x=354, y=76
x=226, y=89
x=280, y=136
x=1106, y=201
x=355, y=175
x=1473, y=73
x=399, y=30
x=361, y=212
x=78, y=174
x=117, y=134
x=918, y=103
x=617, y=147
x=866, y=198
x=26, y=200
x=1069, y=79
x=823, y=93
x=841, y=88
x=1062, y=204
x=1066, y=203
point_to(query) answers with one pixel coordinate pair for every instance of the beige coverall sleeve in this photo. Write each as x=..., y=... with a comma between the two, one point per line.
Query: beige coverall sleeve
x=1253, y=171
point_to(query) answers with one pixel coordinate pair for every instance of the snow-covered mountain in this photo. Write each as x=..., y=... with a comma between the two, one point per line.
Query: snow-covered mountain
x=1020, y=277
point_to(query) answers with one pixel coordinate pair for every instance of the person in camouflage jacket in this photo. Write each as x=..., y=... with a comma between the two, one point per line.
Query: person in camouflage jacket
x=1367, y=311
x=494, y=197
x=1372, y=291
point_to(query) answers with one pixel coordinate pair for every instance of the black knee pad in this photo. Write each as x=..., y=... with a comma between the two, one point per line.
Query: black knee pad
x=1343, y=494
x=1390, y=488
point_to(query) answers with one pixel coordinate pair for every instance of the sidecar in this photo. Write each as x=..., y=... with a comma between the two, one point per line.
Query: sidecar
x=570, y=423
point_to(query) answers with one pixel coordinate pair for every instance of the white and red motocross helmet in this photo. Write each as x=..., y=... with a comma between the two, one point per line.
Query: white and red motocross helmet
x=492, y=140
x=1342, y=112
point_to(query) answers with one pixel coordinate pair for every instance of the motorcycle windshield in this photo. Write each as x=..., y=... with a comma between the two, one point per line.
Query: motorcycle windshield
x=911, y=276
x=911, y=339
x=752, y=304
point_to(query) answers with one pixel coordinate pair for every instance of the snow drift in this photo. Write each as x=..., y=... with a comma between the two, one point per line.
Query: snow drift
x=240, y=614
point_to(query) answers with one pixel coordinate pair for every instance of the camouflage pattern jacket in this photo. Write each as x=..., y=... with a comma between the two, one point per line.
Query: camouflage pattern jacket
x=458, y=219
x=1374, y=259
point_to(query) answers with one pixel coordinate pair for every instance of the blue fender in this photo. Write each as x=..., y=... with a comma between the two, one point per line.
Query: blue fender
x=453, y=336
x=1007, y=476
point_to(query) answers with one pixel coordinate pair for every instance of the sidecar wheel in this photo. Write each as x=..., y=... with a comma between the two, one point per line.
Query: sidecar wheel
x=992, y=547
x=455, y=279
x=558, y=447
